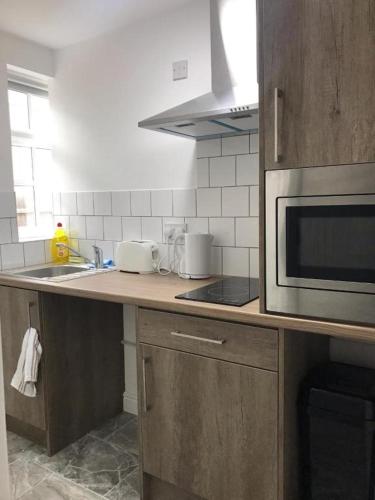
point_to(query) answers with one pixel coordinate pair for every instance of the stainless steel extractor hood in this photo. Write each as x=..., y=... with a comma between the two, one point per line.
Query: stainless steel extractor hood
x=231, y=108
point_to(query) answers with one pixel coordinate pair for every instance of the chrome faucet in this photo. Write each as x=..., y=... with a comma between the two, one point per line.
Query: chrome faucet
x=97, y=250
x=98, y=257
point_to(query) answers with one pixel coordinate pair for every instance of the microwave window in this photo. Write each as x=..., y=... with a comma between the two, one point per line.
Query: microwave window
x=335, y=242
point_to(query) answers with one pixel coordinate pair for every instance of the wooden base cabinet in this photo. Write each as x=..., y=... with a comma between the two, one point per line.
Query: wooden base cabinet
x=81, y=374
x=208, y=426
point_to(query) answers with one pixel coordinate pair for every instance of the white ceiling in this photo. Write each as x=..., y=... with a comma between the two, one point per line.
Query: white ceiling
x=58, y=23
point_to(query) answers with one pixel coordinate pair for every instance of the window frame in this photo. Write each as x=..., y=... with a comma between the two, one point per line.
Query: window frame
x=27, y=138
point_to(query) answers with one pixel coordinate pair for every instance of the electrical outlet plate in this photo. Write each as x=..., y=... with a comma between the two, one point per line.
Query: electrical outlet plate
x=180, y=70
x=171, y=231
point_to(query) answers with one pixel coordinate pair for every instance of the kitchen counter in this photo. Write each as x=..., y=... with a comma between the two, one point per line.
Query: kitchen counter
x=158, y=292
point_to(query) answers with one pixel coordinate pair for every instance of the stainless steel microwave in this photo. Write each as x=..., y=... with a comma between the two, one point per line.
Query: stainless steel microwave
x=320, y=242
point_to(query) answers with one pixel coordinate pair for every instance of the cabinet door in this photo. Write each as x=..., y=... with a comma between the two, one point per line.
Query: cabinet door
x=320, y=55
x=208, y=426
x=15, y=305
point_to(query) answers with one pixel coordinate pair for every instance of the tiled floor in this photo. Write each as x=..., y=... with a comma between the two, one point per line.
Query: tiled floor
x=103, y=464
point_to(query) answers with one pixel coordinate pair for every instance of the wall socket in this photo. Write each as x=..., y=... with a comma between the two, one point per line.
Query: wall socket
x=171, y=231
x=180, y=70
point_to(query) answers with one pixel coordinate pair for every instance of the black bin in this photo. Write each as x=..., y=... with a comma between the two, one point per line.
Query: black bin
x=337, y=433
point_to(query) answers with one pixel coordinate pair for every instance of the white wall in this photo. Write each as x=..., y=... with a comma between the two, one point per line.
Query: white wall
x=30, y=56
x=103, y=87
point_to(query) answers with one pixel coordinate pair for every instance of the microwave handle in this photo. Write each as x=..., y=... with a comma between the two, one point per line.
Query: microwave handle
x=277, y=96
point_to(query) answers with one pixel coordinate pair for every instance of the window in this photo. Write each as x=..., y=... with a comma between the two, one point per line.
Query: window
x=30, y=123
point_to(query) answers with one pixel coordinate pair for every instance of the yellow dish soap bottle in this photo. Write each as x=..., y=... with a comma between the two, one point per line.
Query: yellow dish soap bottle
x=60, y=255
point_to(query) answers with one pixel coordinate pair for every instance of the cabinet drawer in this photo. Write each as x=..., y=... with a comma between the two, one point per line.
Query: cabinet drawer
x=233, y=342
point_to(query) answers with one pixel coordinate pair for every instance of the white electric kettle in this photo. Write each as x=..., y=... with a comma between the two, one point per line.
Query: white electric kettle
x=194, y=258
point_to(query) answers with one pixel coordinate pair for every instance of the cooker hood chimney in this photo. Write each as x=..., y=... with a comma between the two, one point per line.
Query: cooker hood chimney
x=231, y=108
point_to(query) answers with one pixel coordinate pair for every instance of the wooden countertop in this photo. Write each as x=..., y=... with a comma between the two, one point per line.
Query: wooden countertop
x=158, y=292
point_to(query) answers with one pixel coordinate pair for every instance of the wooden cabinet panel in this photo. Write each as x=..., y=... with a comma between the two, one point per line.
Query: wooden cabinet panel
x=14, y=316
x=320, y=54
x=81, y=375
x=84, y=364
x=155, y=489
x=253, y=346
x=208, y=426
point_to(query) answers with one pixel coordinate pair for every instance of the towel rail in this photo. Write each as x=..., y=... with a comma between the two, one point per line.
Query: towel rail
x=29, y=306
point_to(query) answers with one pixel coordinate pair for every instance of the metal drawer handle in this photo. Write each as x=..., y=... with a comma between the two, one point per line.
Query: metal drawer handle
x=202, y=339
x=278, y=95
x=145, y=402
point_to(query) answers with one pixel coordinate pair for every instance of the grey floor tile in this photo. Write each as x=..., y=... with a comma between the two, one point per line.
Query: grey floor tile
x=24, y=475
x=17, y=445
x=61, y=460
x=57, y=488
x=126, y=437
x=112, y=425
x=123, y=491
x=104, y=462
x=98, y=466
x=127, y=488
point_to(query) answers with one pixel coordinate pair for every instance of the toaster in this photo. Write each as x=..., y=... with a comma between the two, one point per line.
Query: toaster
x=137, y=256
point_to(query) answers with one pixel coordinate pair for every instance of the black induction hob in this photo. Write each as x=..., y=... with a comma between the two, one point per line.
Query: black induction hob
x=228, y=291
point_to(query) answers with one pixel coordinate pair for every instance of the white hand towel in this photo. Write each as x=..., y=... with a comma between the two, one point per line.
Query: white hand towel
x=26, y=374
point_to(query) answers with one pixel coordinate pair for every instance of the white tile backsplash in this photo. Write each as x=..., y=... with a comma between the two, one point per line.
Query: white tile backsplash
x=95, y=227
x=209, y=202
x=254, y=262
x=236, y=261
x=203, y=177
x=86, y=248
x=254, y=143
x=113, y=228
x=184, y=203
x=222, y=230
x=68, y=203
x=107, y=247
x=102, y=203
x=223, y=171
x=77, y=226
x=225, y=203
x=131, y=228
x=248, y=170
x=197, y=225
x=247, y=232
x=238, y=144
x=12, y=256
x=140, y=203
x=236, y=201
x=208, y=149
x=216, y=260
x=121, y=203
x=85, y=203
x=152, y=229
x=34, y=252
x=5, y=231
x=254, y=201
x=161, y=203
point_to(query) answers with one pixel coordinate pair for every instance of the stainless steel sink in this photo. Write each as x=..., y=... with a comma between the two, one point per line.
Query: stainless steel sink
x=53, y=271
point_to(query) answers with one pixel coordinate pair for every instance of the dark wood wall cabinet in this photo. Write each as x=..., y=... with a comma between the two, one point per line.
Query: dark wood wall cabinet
x=317, y=82
x=208, y=422
x=81, y=374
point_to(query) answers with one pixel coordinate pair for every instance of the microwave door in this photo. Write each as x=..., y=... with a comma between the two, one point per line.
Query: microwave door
x=327, y=243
